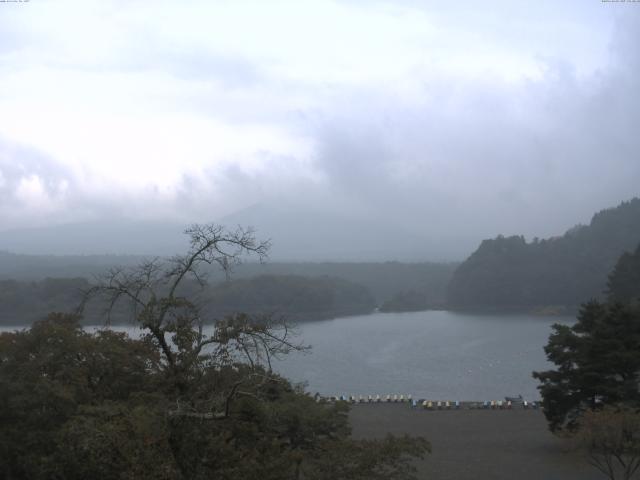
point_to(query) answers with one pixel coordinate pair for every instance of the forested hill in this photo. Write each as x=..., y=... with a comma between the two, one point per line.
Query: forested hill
x=624, y=282
x=508, y=272
x=294, y=297
x=383, y=279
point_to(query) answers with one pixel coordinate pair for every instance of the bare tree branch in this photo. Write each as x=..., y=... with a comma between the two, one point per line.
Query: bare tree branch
x=153, y=290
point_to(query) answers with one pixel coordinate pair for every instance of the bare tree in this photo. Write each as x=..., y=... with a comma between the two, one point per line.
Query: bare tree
x=162, y=297
x=612, y=440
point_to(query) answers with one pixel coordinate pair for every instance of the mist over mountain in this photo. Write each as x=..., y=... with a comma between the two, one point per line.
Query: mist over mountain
x=325, y=235
x=443, y=130
x=296, y=234
x=108, y=237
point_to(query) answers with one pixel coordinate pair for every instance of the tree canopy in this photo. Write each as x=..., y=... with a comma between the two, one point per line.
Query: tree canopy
x=594, y=392
x=180, y=402
x=598, y=363
x=624, y=281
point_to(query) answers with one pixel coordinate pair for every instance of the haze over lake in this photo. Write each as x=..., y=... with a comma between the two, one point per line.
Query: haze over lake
x=432, y=354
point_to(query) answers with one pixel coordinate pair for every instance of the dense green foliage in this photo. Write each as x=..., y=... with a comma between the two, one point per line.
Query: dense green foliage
x=594, y=392
x=78, y=405
x=509, y=272
x=624, y=281
x=598, y=363
x=183, y=402
x=296, y=297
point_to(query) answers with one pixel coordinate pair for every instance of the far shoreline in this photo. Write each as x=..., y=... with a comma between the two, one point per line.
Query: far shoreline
x=545, y=311
x=541, y=310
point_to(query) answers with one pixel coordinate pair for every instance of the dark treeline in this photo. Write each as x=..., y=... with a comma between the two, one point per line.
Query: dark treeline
x=32, y=286
x=383, y=279
x=624, y=282
x=295, y=297
x=23, y=302
x=503, y=273
x=508, y=272
x=408, y=301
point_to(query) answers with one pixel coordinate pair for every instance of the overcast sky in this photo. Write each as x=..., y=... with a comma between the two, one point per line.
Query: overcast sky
x=450, y=119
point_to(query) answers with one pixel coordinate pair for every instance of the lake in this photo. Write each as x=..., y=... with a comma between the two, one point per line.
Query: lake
x=433, y=354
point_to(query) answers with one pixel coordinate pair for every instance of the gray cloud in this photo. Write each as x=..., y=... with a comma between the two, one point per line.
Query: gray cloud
x=460, y=160
x=482, y=159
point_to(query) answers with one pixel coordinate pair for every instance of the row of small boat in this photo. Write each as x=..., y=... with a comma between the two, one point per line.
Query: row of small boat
x=507, y=404
x=371, y=399
x=486, y=405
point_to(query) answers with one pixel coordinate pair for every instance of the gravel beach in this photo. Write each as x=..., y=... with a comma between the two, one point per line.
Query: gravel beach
x=478, y=444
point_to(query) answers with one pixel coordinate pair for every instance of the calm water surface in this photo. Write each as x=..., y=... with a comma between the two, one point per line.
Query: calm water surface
x=434, y=354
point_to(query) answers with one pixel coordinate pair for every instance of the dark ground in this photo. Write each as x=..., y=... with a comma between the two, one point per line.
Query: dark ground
x=478, y=444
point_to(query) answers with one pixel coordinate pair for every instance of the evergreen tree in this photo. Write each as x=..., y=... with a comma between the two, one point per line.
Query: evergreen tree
x=509, y=273
x=624, y=281
x=598, y=363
